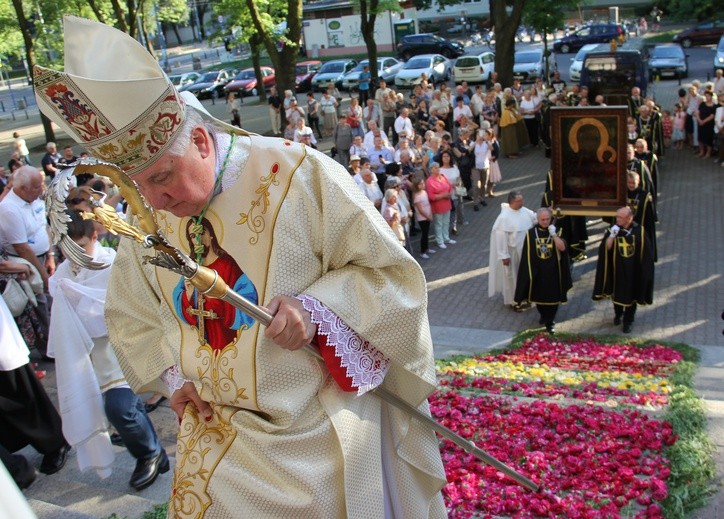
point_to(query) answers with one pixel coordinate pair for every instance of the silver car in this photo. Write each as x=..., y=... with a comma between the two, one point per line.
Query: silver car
x=435, y=66
x=668, y=60
x=387, y=69
x=719, y=55
x=528, y=65
x=332, y=72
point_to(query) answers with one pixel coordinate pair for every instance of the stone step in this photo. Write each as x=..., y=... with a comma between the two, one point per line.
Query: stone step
x=72, y=494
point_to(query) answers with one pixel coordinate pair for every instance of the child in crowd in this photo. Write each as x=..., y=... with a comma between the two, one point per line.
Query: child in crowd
x=391, y=214
x=423, y=216
x=667, y=127
x=494, y=175
x=678, y=135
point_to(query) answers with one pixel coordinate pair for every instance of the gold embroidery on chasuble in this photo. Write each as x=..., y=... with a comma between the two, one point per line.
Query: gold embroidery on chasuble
x=218, y=349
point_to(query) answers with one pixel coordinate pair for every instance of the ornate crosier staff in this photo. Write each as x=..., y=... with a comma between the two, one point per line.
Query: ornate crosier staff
x=207, y=281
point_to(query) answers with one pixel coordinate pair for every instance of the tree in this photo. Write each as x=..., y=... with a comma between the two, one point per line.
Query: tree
x=24, y=28
x=237, y=15
x=686, y=10
x=368, y=10
x=506, y=27
x=284, y=59
x=547, y=16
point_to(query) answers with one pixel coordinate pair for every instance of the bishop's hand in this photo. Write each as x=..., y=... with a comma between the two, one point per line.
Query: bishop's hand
x=186, y=395
x=292, y=327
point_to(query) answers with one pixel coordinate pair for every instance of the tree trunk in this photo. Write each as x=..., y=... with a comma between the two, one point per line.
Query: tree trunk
x=200, y=11
x=30, y=57
x=367, y=26
x=96, y=11
x=546, y=53
x=255, y=45
x=120, y=16
x=506, y=27
x=174, y=26
x=284, y=61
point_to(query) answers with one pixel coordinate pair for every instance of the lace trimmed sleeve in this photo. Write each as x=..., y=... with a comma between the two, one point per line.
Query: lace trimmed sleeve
x=354, y=363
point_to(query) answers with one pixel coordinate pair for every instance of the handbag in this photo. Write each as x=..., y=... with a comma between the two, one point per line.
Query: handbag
x=17, y=297
x=461, y=191
x=354, y=123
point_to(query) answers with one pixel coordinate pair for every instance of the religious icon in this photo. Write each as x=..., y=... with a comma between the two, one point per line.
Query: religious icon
x=589, y=159
x=217, y=322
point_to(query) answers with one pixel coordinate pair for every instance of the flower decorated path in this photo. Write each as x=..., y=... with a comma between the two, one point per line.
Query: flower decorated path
x=590, y=422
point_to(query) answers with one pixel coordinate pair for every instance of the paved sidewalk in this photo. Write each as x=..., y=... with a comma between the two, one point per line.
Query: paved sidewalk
x=687, y=308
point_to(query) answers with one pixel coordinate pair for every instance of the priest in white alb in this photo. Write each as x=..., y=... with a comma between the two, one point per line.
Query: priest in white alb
x=506, y=244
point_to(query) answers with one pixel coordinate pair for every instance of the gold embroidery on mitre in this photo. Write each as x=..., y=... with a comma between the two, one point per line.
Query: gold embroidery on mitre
x=69, y=103
x=257, y=223
x=625, y=249
x=200, y=447
x=146, y=138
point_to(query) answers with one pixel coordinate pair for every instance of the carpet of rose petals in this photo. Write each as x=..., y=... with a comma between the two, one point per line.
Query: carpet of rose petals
x=591, y=461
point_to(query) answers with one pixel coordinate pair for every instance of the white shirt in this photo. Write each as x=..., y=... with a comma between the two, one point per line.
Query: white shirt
x=527, y=106
x=452, y=174
x=21, y=222
x=482, y=155
x=372, y=191
x=462, y=110
x=404, y=124
x=13, y=353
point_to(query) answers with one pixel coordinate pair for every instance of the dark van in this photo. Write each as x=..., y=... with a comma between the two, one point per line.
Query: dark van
x=613, y=74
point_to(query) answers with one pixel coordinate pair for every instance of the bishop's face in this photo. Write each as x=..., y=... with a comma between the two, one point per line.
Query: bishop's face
x=181, y=185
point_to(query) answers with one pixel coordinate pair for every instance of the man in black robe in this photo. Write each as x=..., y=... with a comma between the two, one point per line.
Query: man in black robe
x=642, y=205
x=641, y=168
x=544, y=276
x=571, y=228
x=625, y=269
x=648, y=124
x=648, y=157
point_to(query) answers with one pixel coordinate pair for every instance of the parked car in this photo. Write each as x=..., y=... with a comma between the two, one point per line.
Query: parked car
x=577, y=62
x=181, y=80
x=209, y=85
x=304, y=72
x=246, y=84
x=719, y=55
x=416, y=44
x=387, y=69
x=474, y=69
x=435, y=66
x=594, y=33
x=701, y=34
x=332, y=72
x=528, y=65
x=668, y=60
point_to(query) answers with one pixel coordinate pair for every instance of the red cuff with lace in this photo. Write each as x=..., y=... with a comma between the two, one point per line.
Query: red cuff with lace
x=353, y=362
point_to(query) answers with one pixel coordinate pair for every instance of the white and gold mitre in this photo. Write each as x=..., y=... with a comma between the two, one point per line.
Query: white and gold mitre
x=113, y=97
